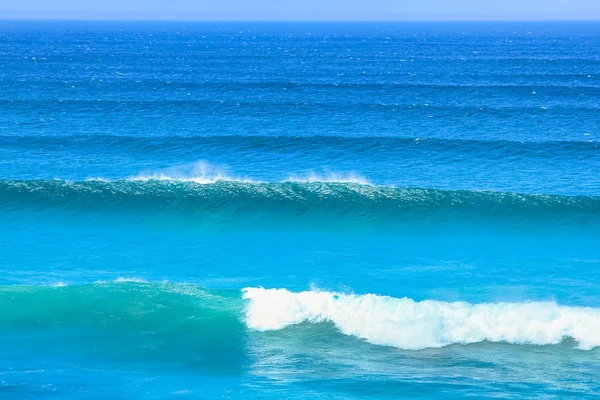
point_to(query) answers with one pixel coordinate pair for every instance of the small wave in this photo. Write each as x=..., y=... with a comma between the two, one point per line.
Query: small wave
x=408, y=324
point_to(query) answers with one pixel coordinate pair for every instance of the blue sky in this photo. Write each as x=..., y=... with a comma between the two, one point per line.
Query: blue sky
x=304, y=9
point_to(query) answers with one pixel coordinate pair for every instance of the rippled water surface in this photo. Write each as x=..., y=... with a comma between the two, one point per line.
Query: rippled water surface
x=307, y=210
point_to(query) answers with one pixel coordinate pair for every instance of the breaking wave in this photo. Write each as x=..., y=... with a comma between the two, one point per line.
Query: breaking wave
x=407, y=324
x=208, y=318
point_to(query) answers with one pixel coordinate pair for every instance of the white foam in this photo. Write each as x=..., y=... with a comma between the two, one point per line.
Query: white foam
x=407, y=324
x=199, y=172
x=203, y=172
x=97, y=179
x=120, y=280
x=331, y=177
x=130, y=280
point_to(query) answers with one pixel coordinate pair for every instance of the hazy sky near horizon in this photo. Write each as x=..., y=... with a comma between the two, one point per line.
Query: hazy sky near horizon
x=303, y=9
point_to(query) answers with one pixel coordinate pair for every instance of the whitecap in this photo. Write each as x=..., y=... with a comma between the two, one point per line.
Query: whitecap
x=331, y=177
x=408, y=324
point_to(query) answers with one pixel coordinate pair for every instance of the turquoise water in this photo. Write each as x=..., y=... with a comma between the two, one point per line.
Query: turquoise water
x=262, y=210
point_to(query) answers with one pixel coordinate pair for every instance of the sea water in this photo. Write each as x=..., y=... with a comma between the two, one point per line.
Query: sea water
x=301, y=210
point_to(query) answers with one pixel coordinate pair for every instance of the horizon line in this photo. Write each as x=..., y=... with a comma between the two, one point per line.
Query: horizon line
x=117, y=19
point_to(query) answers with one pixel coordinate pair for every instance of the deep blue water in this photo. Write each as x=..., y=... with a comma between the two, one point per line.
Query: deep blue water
x=307, y=210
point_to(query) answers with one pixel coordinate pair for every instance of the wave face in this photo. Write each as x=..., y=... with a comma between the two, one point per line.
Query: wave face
x=339, y=201
x=407, y=324
x=113, y=304
x=129, y=322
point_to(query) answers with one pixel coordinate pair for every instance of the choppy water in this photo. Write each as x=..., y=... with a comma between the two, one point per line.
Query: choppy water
x=261, y=210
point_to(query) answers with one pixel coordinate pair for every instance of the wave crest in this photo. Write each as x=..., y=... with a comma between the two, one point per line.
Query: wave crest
x=331, y=177
x=203, y=172
x=200, y=172
x=407, y=324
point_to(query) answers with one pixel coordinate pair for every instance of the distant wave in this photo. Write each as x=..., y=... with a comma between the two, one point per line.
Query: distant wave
x=407, y=324
x=525, y=81
x=135, y=306
x=350, y=202
x=298, y=140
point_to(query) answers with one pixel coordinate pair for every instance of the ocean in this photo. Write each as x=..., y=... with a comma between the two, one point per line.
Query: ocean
x=299, y=210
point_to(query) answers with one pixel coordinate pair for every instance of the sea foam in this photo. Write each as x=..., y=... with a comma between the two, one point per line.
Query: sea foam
x=203, y=172
x=330, y=177
x=408, y=324
x=200, y=172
